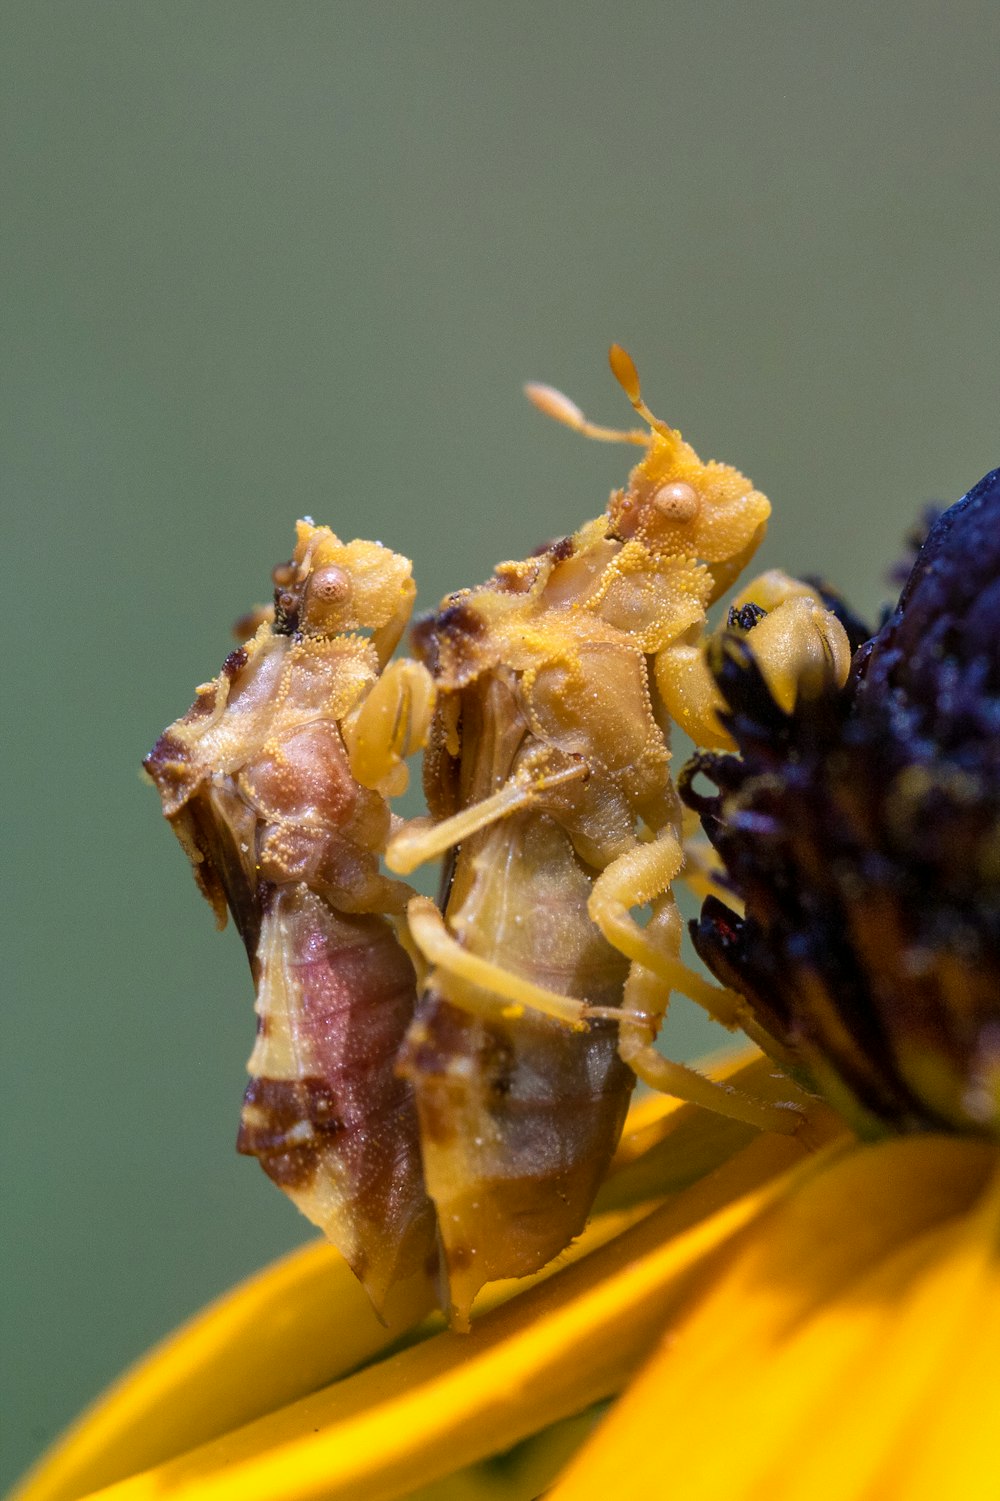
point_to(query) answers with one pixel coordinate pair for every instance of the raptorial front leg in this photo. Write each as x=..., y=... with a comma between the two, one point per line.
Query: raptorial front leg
x=799, y=645
x=387, y=637
x=801, y=649
x=690, y=693
x=389, y=724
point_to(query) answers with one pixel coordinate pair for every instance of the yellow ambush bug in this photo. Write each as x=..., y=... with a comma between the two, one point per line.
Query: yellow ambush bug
x=547, y=776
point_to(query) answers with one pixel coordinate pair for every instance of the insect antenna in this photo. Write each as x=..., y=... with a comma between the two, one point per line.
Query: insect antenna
x=552, y=403
x=624, y=371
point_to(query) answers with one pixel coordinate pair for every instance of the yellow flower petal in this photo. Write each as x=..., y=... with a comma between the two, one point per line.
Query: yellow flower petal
x=924, y=1306
x=812, y=1347
x=948, y=1446
x=521, y=1474
x=305, y=1321
x=423, y=1413
x=301, y=1323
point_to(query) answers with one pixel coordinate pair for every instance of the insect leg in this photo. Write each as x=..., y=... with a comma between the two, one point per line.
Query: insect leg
x=390, y=723
x=421, y=841
x=645, y=997
x=431, y=936
x=656, y=970
x=387, y=637
x=641, y=875
x=703, y=866
x=690, y=693
x=801, y=648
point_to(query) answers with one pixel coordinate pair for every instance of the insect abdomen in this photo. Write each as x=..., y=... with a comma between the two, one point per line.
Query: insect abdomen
x=324, y=1112
x=518, y=1115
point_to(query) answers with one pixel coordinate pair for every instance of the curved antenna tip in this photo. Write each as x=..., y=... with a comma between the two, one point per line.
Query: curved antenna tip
x=624, y=371
x=554, y=404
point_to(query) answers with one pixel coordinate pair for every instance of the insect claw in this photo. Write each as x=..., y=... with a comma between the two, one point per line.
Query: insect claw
x=400, y=732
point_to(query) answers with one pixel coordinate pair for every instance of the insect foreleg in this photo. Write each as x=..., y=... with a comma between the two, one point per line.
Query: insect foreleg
x=644, y=874
x=387, y=637
x=429, y=933
x=799, y=645
x=801, y=648
x=690, y=693
x=390, y=723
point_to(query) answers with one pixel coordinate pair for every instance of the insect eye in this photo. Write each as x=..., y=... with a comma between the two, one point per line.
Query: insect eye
x=330, y=585
x=676, y=502
x=283, y=574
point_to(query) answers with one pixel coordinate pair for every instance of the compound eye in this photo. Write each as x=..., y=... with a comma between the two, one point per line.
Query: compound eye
x=677, y=502
x=329, y=586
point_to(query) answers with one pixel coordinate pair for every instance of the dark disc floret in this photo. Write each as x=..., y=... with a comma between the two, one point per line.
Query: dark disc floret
x=862, y=832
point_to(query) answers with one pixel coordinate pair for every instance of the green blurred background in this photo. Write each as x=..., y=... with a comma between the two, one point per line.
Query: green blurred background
x=269, y=259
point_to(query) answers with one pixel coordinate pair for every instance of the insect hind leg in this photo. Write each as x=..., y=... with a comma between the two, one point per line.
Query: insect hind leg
x=644, y=874
x=478, y=976
x=645, y=1005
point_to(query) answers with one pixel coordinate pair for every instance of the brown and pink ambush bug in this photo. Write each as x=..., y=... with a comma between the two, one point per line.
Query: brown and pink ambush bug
x=547, y=777
x=275, y=783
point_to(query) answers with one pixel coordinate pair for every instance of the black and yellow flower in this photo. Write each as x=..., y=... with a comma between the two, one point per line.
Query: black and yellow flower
x=771, y=1317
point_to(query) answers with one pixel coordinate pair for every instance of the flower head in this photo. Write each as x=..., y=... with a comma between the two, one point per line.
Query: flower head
x=863, y=833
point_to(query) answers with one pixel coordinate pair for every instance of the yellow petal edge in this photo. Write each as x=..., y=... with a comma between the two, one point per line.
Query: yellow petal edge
x=847, y=1351
x=304, y=1322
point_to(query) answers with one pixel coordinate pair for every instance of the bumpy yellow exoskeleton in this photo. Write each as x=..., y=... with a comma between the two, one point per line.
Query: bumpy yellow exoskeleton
x=600, y=642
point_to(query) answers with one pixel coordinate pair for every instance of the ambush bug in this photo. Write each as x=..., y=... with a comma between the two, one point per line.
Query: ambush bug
x=547, y=778
x=283, y=814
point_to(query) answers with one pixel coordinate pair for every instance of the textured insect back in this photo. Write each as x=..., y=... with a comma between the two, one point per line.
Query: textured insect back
x=263, y=793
